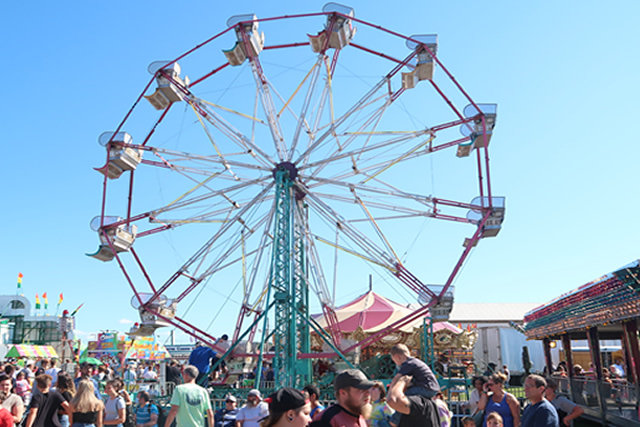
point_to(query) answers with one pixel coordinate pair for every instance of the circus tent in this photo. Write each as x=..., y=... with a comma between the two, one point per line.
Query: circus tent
x=371, y=312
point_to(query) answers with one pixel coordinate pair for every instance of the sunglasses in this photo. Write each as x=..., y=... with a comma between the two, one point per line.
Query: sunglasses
x=490, y=384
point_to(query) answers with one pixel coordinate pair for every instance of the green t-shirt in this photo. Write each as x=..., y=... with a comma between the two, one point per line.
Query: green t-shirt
x=193, y=402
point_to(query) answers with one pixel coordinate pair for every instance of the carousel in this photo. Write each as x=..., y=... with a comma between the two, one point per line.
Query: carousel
x=370, y=313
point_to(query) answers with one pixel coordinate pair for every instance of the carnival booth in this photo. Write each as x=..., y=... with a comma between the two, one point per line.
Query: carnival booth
x=114, y=349
x=32, y=351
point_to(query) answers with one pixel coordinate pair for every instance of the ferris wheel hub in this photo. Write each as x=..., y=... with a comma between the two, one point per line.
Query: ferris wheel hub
x=286, y=166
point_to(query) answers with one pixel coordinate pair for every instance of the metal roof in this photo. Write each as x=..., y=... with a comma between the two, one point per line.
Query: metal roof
x=490, y=312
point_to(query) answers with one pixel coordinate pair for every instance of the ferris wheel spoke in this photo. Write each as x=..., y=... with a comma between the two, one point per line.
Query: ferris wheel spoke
x=212, y=140
x=265, y=243
x=342, y=119
x=335, y=124
x=373, y=121
x=365, y=149
x=326, y=96
x=425, y=200
x=373, y=222
x=398, y=159
x=253, y=118
x=358, y=238
x=234, y=134
x=391, y=207
x=179, y=204
x=218, y=265
x=207, y=246
x=175, y=157
x=268, y=107
x=314, y=73
x=299, y=120
x=321, y=288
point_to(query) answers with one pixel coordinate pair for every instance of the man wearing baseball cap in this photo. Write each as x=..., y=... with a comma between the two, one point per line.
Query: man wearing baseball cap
x=351, y=389
x=226, y=417
x=253, y=411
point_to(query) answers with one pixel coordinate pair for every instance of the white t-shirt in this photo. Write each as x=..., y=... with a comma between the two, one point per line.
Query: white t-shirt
x=149, y=374
x=251, y=416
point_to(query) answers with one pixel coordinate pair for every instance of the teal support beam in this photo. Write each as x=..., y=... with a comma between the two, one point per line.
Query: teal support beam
x=289, y=284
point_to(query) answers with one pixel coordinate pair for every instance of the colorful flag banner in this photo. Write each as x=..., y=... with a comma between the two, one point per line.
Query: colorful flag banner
x=76, y=310
x=46, y=301
x=61, y=299
x=20, y=276
x=37, y=302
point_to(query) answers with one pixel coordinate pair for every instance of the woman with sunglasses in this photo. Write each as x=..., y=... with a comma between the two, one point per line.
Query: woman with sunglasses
x=495, y=399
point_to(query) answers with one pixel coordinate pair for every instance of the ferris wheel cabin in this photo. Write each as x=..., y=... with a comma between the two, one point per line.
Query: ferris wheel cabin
x=149, y=320
x=493, y=224
x=248, y=28
x=342, y=29
x=171, y=88
x=122, y=157
x=425, y=46
x=476, y=132
x=440, y=311
x=119, y=237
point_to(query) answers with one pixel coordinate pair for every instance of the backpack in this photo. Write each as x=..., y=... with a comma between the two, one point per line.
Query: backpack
x=129, y=420
x=326, y=416
x=161, y=415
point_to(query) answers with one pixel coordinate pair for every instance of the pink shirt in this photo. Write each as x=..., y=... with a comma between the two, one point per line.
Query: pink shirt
x=22, y=387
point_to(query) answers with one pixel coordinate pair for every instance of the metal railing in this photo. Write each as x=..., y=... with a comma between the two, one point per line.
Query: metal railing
x=609, y=397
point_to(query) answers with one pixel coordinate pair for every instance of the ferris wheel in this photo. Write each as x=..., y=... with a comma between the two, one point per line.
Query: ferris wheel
x=295, y=156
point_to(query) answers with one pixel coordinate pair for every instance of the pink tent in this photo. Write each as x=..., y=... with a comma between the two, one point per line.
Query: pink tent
x=373, y=312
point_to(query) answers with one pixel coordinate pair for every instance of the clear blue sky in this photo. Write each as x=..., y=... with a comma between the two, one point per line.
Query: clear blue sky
x=564, y=152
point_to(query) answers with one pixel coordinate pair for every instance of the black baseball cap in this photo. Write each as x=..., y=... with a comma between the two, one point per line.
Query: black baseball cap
x=351, y=378
x=285, y=399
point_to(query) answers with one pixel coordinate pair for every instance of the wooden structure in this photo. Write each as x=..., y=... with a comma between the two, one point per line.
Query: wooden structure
x=607, y=308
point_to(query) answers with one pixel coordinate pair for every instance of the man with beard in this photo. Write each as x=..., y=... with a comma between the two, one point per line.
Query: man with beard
x=253, y=411
x=352, y=391
x=414, y=410
x=86, y=370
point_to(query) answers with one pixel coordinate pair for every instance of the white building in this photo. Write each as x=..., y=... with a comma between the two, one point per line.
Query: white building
x=498, y=341
x=21, y=327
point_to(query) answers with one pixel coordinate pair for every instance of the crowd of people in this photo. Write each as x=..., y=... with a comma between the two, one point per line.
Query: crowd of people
x=41, y=394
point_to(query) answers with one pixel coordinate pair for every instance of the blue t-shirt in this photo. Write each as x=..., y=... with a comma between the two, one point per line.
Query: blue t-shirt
x=201, y=358
x=224, y=418
x=421, y=373
x=317, y=409
x=143, y=414
x=542, y=414
x=96, y=387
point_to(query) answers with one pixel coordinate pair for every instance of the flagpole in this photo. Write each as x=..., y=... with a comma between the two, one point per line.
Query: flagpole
x=20, y=276
x=59, y=302
x=46, y=304
x=37, y=304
